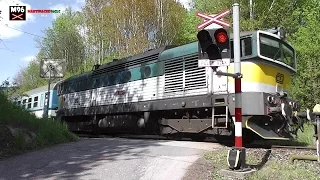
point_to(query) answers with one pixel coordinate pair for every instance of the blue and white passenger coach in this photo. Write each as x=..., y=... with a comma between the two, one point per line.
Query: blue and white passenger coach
x=35, y=100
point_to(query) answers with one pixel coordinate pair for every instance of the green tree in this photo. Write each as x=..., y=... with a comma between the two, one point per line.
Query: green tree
x=63, y=41
x=135, y=27
x=29, y=77
x=306, y=41
x=188, y=32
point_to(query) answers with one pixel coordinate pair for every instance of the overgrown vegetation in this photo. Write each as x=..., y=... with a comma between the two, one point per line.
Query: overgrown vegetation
x=307, y=136
x=47, y=132
x=274, y=165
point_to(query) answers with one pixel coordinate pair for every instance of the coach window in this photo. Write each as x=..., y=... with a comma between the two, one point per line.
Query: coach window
x=29, y=103
x=24, y=103
x=19, y=102
x=35, y=101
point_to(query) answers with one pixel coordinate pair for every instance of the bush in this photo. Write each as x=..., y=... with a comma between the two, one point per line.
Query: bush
x=48, y=132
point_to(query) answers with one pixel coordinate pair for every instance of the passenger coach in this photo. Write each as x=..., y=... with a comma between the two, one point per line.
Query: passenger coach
x=35, y=101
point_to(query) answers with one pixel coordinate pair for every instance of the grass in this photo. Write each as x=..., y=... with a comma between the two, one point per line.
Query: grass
x=307, y=136
x=273, y=169
x=48, y=132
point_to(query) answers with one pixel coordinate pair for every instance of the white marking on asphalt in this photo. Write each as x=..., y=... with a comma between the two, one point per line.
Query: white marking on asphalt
x=195, y=145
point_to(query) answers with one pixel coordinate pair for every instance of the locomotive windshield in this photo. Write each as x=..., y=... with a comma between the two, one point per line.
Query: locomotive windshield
x=276, y=49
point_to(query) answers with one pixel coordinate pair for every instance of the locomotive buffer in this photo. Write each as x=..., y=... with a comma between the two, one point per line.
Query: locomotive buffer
x=214, y=51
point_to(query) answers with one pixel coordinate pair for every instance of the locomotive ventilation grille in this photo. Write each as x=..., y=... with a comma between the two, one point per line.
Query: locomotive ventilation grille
x=183, y=74
x=124, y=65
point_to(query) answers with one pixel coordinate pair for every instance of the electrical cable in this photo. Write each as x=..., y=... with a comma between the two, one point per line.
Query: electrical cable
x=6, y=25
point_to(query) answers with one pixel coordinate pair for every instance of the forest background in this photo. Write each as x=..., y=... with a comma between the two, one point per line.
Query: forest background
x=102, y=31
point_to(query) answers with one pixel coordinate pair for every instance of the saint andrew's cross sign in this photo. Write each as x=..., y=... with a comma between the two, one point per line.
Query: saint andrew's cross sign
x=213, y=19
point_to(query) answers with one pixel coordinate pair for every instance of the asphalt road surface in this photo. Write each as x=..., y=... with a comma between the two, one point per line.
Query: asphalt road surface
x=108, y=158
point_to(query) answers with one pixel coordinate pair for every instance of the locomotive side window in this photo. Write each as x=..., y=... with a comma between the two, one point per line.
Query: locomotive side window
x=95, y=83
x=126, y=76
x=118, y=75
x=147, y=71
x=113, y=79
x=245, y=47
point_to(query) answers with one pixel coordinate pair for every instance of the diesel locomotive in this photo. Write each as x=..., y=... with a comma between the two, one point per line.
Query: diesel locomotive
x=163, y=91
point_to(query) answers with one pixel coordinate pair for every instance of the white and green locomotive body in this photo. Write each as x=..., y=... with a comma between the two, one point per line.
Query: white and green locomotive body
x=164, y=91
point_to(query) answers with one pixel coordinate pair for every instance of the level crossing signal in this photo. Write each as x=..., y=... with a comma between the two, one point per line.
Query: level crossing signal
x=214, y=44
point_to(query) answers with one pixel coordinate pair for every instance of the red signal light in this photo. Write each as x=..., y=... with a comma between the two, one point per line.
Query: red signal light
x=221, y=37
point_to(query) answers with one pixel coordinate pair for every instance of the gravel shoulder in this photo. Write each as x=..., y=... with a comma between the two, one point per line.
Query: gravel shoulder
x=200, y=170
x=270, y=164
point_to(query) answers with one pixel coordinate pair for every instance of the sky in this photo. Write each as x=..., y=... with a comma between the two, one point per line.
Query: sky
x=17, y=49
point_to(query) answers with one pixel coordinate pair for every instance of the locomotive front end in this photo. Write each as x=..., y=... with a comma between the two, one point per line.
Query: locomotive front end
x=269, y=70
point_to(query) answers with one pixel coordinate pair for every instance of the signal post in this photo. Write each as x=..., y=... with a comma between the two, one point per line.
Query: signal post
x=237, y=155
x=212, y=43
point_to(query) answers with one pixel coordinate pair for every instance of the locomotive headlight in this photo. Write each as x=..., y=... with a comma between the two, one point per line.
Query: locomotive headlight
x=270, y=99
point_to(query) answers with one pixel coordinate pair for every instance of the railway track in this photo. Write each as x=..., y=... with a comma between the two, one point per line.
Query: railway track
x=293, y=147
x=213, y=140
